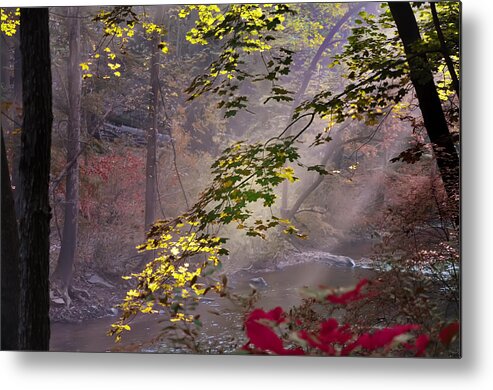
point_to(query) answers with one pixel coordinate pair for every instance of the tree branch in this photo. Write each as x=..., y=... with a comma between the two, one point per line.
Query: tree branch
x=445, y=51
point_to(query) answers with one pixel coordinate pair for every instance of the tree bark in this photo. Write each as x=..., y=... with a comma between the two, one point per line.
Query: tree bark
x=34, y=175
x=9, y=263
x=4, y=78
x=64, y=268
x=11, y=124
x=434, y=119
x=150, y=197
x=17, y=115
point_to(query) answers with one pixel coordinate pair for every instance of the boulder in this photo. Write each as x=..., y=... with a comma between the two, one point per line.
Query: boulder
x=258, y=283
x=98, y=280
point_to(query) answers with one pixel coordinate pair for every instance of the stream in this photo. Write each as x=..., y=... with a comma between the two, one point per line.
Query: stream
x=221, y=320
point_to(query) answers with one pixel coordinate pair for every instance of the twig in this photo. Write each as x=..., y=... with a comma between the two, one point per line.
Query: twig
x=311, y=211
x=64, y=171
x=12, y=120
x=173, y=147
x=372, y=135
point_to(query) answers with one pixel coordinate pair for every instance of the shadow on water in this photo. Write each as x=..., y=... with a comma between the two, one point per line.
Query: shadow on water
x=222, y=322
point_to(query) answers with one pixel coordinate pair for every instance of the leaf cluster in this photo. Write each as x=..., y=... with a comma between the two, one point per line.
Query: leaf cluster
x=377, y=71
x=245, y=29
x=187, y=255
x=9, y=21
x=121, y=23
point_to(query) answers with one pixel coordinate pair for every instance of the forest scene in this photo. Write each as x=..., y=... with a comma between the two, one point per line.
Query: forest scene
x=255, y=179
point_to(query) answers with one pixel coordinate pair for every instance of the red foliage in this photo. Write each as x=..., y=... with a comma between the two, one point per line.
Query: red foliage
x=122, y=179
x=262, y=336
x=448, y=333
x=420, y=345
x=379, y=339
x=333, y=339
x=330, y=333
x=350, y=296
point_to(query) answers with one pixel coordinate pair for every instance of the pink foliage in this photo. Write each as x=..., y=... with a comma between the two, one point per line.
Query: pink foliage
x=350, y=296
x=333, y=339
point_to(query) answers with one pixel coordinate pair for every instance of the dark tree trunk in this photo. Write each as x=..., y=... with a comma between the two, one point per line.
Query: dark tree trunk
x=13, y=123
x=64, y=268
x=306, y=81
x=9, y=263
x=429, y=102
x=18, y=120
x=12, y=117
x=4, y=78
x=34, y=175
x=150, y=198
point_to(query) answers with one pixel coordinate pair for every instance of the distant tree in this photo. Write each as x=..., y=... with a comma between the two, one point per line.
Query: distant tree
x=9, y=262
x=64, y=268
x=428, y=98
x=386, y=60
x=34, y=174
x=308, y=74
x=150, y=197
x=332, y=150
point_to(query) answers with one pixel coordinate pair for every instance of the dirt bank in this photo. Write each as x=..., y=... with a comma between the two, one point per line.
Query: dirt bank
x=92, y=296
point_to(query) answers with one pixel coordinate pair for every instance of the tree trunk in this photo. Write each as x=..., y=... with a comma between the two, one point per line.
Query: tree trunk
x=429, y=102
x=332, y=150
x=9, y=263
x=18, y=120
x=150, y=198
x=11, y=125
x=306, y=81
x=4, y=79
x=64, y=268
x=34, y=175
x=444, y=49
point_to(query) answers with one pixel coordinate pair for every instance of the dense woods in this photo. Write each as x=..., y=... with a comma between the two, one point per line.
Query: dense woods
x=264, y=179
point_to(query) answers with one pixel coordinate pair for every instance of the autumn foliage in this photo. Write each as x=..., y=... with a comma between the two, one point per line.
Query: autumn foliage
x=279, y=333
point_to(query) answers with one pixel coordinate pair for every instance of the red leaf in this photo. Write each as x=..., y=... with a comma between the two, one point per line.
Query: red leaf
x=262, y=336
x=421, y=343
x=277, y=315
x=330, y=333
x=448, y=333
x=313, y=342
x=380, y=338
x=419, y=346
x=350, y=296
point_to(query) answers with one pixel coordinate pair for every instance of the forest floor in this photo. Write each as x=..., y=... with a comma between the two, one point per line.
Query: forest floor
x=92, y=296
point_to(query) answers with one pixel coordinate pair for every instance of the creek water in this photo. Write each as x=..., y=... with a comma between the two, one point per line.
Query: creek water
x=222, y=321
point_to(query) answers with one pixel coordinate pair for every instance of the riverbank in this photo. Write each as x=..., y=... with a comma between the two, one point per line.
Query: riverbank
x=93, y=296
